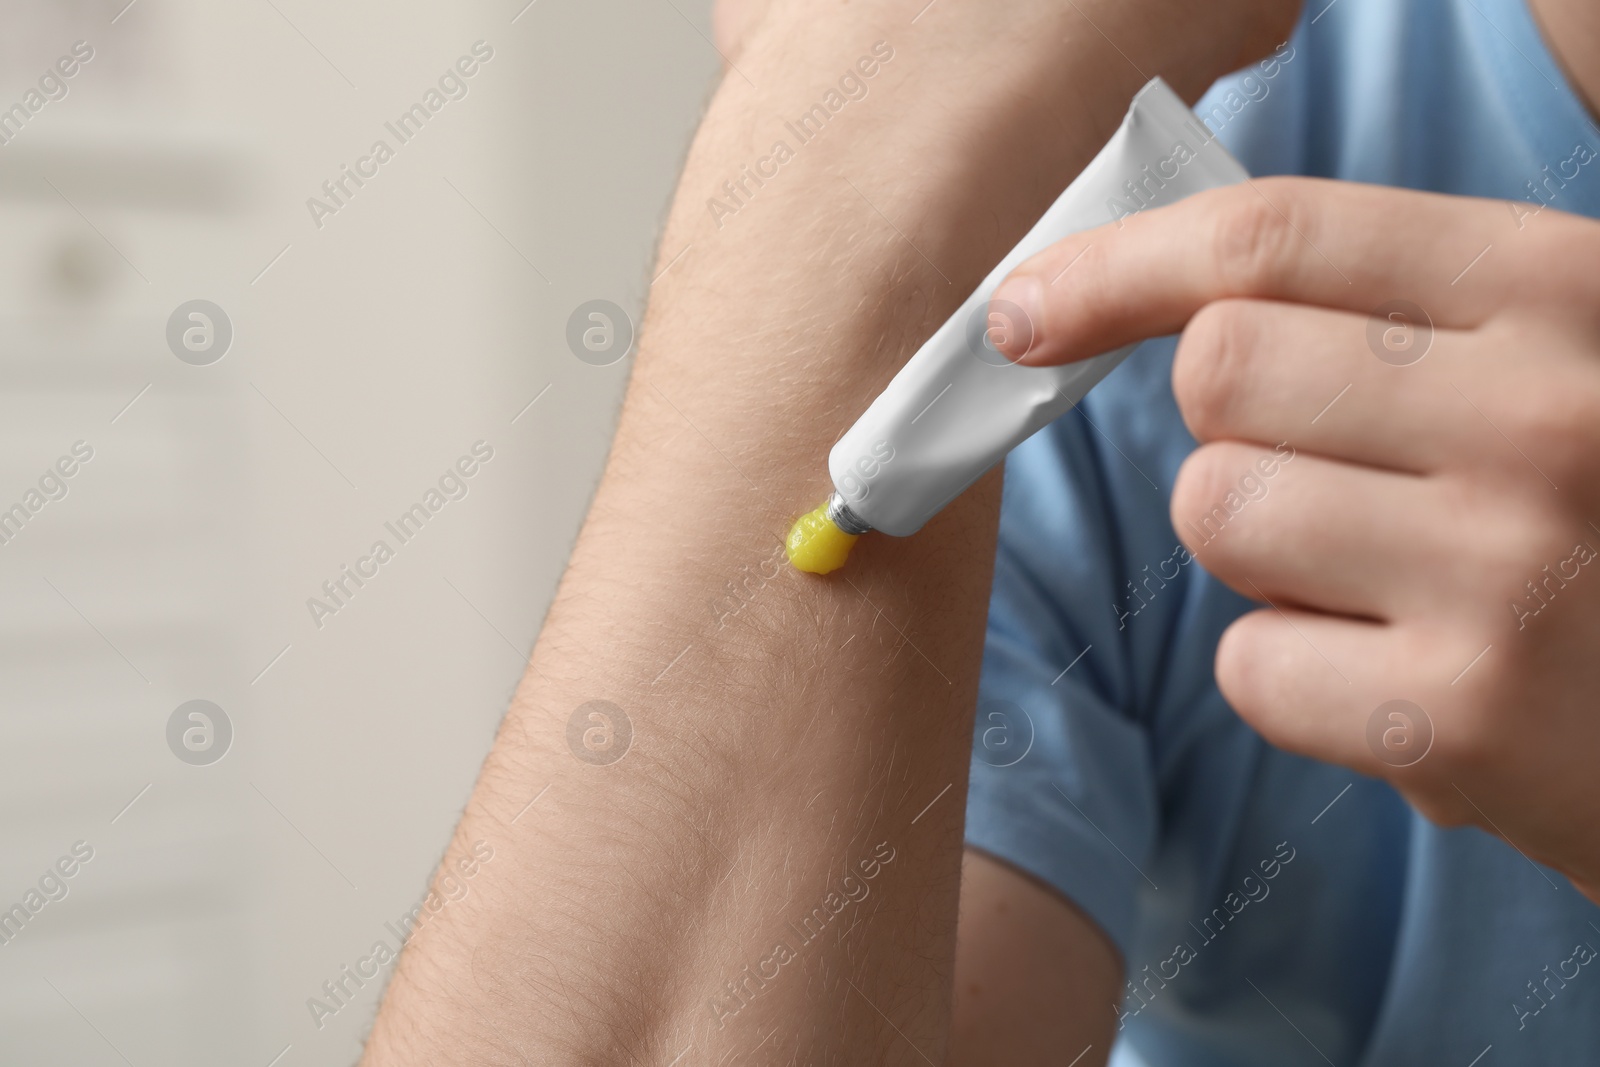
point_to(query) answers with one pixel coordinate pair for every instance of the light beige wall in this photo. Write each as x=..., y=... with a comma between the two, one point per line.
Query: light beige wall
x=420, y=318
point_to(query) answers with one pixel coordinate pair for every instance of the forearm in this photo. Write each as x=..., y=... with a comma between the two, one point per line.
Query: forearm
x=822, y=728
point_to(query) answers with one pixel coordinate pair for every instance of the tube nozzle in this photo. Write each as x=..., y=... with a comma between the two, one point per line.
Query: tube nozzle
x=820, y=541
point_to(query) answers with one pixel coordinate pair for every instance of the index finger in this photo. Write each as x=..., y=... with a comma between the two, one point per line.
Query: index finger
x=1338, y=245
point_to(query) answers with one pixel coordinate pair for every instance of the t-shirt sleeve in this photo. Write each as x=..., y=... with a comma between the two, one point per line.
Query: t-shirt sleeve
x=1063, y=782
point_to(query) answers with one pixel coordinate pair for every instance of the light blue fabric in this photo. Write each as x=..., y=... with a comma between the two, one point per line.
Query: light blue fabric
x=1321, y=920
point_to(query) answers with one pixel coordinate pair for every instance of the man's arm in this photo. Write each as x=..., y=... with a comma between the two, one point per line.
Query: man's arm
x=771, y=871
x=1035, y=978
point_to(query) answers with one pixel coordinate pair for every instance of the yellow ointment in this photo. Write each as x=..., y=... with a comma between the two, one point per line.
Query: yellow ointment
x=816, y=545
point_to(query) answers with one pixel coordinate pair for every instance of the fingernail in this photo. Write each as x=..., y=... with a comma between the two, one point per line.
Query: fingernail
x=1016, y=315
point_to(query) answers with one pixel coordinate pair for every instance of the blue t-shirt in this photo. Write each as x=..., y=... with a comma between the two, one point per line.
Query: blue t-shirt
x=1270, y=909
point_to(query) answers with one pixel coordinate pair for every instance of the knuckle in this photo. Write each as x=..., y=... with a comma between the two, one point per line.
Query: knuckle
x=1210, y=364
x=1490, y=690
x=1511, y=541
x=1568, y=240
x=1466, y=740
x=1253, y=238
x=1562, y=428
x=1439, y=807
x=1472, y=727
x=1543, y=551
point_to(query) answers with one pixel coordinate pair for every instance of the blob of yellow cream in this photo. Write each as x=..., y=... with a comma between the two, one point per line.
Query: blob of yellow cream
x=816, y=545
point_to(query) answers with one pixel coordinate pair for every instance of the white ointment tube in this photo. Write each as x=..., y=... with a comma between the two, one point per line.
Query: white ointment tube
x=959, y=405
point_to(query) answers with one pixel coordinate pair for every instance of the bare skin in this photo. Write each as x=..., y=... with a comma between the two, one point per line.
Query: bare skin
x=826, y=724
x=1572, y=30
x=823, y=730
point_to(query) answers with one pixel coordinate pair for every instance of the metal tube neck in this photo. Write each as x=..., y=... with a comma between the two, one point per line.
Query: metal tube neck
x=840, y=515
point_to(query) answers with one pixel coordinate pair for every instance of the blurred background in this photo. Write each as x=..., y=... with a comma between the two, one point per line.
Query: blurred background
x=248, y=375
